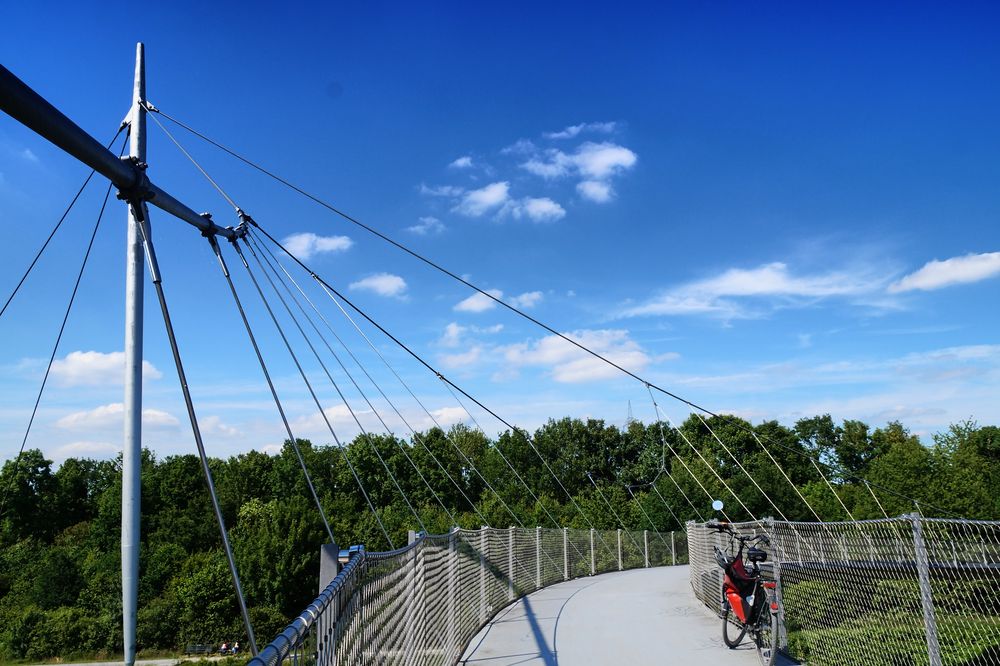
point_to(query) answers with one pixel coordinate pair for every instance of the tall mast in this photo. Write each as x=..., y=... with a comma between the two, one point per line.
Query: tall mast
x=132, y=448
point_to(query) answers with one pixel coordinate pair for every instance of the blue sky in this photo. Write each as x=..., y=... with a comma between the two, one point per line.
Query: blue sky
x=776, y=211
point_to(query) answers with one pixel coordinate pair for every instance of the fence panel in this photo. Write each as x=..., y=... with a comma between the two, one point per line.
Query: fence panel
x=906, y=590
x=422, y=604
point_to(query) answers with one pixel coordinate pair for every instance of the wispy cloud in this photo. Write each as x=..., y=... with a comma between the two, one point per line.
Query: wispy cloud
x=107, y=416
x=306, y=245
x=526, y=300
x=479, y=302
x=93, y=368
x=454, y=333
x=383, y=284
x=463, y=360
x=464, y=162
x=537, y=210
x=957, y=270
x=573, y=130
x=569, y=364
x=720, y=295
x=29, y=156
x=441, y=190
x=429, y=225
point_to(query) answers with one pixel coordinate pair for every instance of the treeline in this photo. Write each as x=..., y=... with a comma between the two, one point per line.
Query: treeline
x=60, y=565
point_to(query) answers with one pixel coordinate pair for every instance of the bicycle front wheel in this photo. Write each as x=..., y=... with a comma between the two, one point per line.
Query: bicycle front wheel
x=766, y=637
x=733, y=630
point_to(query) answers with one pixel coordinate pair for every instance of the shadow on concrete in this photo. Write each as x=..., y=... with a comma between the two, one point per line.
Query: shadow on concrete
x=544, y=651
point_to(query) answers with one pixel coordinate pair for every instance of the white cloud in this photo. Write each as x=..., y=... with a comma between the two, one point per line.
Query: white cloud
x=594, y=163
x=715, y=295
x=603, y=160
x=213, y=425
x=428, y=225
x=383, y=284
x=92, y=368
x=570, y=364
x=555, y=164
x=957, y=270
x=519, y=147
x=305, y=245
x=464, y=162
x=479, y=302
x=538, y=210
x=462, y=360
x=441, y=190
x=29, y=156
x=447, y=416
x=595, y=190
x=452, y=334
x=86, y=449
x=478, y=202
x=573, y=130
x=107, y=416
x=526, y=300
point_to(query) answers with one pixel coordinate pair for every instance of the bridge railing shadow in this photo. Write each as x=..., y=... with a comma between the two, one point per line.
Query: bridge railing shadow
x=907, y=590
x=425, y=602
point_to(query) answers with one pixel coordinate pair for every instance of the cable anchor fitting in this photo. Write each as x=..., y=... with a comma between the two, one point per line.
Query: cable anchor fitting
x=208, y=232
x=245, y=218
x=139, y=191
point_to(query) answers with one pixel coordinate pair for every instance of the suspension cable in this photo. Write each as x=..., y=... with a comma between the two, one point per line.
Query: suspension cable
x=154, y=271
x=266, y=251
x=650, y=520
x=485, y=293
x=613, y=512
x=659, y=422
x=426, y=411
x=319, y=406
x=742, y=468
x=62, y=218
x=343, y=398
x=270, y=385
x=62, y=329
x=419, y=359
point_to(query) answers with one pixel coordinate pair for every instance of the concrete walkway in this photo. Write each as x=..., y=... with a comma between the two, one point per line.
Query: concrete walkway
x=638, y=617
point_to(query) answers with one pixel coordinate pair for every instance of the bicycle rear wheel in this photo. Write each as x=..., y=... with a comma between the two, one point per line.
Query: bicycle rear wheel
x=729, y=629
x=765, y=637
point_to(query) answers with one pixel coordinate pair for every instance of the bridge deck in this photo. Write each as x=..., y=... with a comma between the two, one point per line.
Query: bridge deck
x=643, y=616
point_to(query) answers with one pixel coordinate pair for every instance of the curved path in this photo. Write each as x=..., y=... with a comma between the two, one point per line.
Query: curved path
x=643, y=616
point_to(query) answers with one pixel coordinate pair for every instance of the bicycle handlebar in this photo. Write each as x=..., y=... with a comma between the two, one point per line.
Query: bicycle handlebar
x=721, y=526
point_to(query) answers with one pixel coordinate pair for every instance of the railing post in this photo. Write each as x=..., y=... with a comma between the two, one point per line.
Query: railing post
x=510, y=563
x=645, y=547
x=673, y=551
x=593, y=555
x=450, y=642
x=565, y=553
x=926, y=595
x=482, y=574
x=538, y=558
x=621, y=564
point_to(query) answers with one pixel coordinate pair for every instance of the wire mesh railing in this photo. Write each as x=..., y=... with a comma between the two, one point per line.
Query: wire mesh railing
x=422, y=604
x=908, y=590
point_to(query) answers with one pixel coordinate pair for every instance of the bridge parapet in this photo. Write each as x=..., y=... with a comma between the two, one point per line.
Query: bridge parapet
x=424, y=603
x=907, y=590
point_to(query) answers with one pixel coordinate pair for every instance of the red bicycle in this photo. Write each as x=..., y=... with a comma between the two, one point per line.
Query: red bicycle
x=749, y=603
